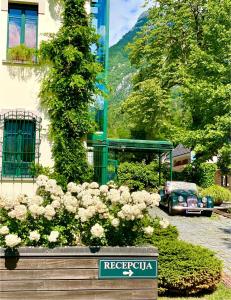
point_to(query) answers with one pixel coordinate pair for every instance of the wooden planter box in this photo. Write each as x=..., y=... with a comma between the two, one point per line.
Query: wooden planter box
x=106, y=273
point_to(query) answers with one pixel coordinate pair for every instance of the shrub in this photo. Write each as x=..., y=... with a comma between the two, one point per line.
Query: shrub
x=186, y=269
x=219, y=194
x=86, y=214
x=168, y=233
x=201, y=174
x=139, y=176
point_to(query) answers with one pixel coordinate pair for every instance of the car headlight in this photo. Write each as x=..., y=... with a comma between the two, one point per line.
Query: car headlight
x=204, y=200
x=181, y=199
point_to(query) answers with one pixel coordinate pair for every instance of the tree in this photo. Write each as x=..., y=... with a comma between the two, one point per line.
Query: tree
x=182, y=85
x=68, y=88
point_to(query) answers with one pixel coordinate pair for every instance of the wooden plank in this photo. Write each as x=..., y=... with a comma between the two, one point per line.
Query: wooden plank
x=48, y=263
x=81, y=295
x=48, y=274
x=71, y=285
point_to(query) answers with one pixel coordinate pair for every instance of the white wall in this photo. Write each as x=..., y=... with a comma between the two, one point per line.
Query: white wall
x=19, y=84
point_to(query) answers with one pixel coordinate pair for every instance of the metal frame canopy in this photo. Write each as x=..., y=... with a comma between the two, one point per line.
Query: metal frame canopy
x=136, y=145
x=129, y=145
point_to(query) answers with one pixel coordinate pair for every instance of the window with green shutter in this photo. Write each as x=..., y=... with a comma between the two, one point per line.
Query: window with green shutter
x=20, y=146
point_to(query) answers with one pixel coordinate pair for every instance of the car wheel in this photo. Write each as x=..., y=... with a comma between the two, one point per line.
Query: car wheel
x=208, y=213
x=171, y=211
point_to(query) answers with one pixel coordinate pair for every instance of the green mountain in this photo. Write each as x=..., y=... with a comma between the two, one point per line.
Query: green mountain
x=120, y=75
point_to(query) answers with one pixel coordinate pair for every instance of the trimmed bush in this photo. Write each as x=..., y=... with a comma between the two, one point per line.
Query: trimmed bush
x=160, y=234
x=201, y=174
x=186, y=269
x=139, y=176
x=219, y=194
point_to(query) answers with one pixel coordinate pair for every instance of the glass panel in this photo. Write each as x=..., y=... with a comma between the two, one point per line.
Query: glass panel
x=14, y=31
x=30, y=33
x=31, y=13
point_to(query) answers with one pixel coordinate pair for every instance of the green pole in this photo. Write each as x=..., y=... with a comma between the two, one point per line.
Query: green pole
x=170, y=155
x=159, y=168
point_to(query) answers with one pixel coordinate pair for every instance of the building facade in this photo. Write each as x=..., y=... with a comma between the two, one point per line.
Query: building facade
x=23, y=126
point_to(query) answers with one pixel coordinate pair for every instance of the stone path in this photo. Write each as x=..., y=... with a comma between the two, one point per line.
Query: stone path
x=213, y=233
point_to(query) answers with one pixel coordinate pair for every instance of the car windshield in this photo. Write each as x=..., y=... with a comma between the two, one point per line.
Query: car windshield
x=180, y=185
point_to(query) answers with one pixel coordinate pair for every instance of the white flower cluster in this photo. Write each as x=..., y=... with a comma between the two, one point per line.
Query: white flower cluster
x=148, y=230
x=12, y=240
x=164, y=223
x=97, y=231
x=107, y=204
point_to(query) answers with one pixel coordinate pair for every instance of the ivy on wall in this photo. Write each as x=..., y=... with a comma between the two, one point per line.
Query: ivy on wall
x=68, y=89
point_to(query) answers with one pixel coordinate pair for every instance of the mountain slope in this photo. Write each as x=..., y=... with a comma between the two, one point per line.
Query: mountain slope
x=120, y=74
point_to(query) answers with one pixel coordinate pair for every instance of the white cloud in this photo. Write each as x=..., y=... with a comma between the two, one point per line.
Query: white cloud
x=123, y=16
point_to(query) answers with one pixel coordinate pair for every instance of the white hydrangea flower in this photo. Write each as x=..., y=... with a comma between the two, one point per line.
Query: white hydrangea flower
x=164, y=223
x=73, y=187
x=114, y=196
x=124, y=188
x=41, y=180
x=155, y=199
x=53, y=237
x=69, y=200
x=93, y=185
x=49, y=212
x=94, y=192
x=115, y=222
x=82, y=214
x=34, y=236
x=103, y=189
x=12, y=240
x=35, y=200
x=56, y=204
x=85, y=185
x=36, y=210
x=97, y=231
x=148, y=230
x=22, y=198
x=87, y=200
x=125, y=197
x=4, y=230
x=8, y=203
x=19, y=212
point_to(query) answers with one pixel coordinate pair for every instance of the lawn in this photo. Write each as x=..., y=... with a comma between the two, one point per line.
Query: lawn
x=222, y=293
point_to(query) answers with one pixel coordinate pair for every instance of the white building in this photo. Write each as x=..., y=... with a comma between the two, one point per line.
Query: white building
x=23, y=126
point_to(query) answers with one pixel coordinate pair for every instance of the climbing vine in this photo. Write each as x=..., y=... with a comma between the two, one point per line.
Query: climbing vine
x=68, y=89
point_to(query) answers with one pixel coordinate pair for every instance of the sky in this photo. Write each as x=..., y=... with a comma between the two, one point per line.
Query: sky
x=123, y=16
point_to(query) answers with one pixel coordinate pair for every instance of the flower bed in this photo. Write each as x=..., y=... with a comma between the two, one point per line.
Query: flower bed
x=86, y=214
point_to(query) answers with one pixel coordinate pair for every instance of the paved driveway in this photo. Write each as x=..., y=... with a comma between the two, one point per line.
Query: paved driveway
x=213, y=233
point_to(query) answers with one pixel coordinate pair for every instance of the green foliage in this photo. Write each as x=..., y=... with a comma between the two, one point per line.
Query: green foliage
x=181, y=89
x=139, y=176
x=185, y=269
x=202, y=174
x=21, y=53
x=219, y=194
x=160, y=234
x=68, y=89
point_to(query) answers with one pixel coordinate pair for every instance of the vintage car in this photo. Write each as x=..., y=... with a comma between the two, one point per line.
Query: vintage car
x=179, y=196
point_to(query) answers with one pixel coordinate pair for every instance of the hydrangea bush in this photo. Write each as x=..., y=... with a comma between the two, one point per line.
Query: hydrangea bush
x=86, y=214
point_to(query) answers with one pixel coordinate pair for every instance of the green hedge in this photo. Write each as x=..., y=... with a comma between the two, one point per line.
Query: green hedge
x=201, y=174
x=139, y=176
x=185, y=269
x=219, y=194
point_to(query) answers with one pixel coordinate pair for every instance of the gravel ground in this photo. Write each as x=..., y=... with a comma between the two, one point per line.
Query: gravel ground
x=213, y=233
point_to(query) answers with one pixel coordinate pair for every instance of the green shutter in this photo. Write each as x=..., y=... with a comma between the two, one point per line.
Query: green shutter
x=18, y=147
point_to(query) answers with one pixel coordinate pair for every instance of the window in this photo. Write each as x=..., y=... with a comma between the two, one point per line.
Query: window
x=22, y=25
x=20, y=148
